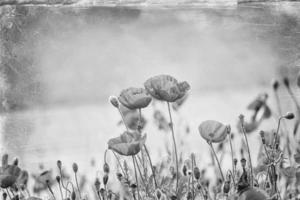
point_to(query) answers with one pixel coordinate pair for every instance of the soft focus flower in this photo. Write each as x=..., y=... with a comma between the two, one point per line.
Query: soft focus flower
x=166, y=88
x=213, y=131
x=127, y=144
x=8, y=173
x=134, y=98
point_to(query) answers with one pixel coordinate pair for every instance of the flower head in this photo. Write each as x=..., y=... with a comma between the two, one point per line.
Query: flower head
x=253, y=193
x=8, y=173
x=166, y=88
x=213, y=131
x=134, y=98
x=127, y=144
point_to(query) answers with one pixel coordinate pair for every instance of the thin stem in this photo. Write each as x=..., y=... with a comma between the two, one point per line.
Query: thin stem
x=146, y=149
x=231, y=149
x=175, y=148
x=215, y=155
x=8, y=194
x=77, y=185
x=49, y=188
x=61, y=193
x=120, y=165
x=136, y=179
x=122, y=116
x=62, y=182
x=193, y=195
x=249, y=154
x=144, y=183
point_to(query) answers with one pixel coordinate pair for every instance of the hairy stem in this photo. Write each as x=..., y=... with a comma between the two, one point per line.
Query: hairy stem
x=136, y=178
x=215, y=155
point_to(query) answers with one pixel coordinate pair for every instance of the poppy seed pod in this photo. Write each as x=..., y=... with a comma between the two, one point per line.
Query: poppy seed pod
x=59, y=164
x=197, y=173
x=166, y=88
x=105, y=179
x=75, y=167
x=275, y=84
x=114, y=101
x=134, y=98
x=289, y=115
x=106, y=168
x=213, y=131
x=286, y=82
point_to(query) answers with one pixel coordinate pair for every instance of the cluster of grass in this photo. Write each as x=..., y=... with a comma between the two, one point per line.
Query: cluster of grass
x=276, y=176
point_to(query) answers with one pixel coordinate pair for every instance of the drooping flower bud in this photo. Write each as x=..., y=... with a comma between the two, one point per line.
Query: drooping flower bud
x=106, y=168
x=75, y=167
x=184, y=170
x=243, y=162
x=289, y=115
x=114, y=101
x=286, y=82
x=58, y=179
x=59, y=164
x=73, y=195
x=275, y=84
x=197, y=173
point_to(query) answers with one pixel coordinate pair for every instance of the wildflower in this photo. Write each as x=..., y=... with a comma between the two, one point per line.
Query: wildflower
x=213, y=131
x=8, y=173
x=134, y=98
x=114, y=101
x=127, y=144
x=166, y=88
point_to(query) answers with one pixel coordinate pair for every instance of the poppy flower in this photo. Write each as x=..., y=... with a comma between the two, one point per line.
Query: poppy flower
x=213, y=131
x=8, y=173
x=166, y=88
x=134, y=98
x=127, y=144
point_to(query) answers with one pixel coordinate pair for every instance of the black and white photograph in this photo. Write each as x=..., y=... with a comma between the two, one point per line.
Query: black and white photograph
x=149, y=100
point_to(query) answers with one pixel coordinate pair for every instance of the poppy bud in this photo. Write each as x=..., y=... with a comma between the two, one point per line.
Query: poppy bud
x=242, y=117
x=235, y=161
x=16, y=162
x=102, y=192
x=158, y=194
x=59, y=164
x=119, y=176
x=286, y=82
x=106, y=168
x=289, y=115
x=243, y=162
x=4, y=195
x=226, y=187
x=196, y=173
x=105, y=179
x=109, y=195
x=275, y=84
x=73, y=195
x=184, y=170
x=58, y=179
x=189, y=195
x=228, y=127
x=75, y=167
x=97, y=184
x=133, y=186
x=114, y=101
x=198, y=186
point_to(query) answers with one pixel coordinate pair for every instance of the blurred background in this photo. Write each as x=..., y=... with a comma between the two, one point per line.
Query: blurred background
x=59, y=65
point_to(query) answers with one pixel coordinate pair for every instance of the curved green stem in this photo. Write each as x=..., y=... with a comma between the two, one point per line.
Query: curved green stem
x=175, y=148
